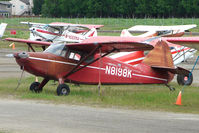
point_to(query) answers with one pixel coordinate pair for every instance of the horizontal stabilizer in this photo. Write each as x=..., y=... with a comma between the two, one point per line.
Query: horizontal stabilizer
x=177, y=70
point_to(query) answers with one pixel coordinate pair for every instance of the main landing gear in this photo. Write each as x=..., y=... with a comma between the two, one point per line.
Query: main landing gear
x=34, y=87
x=184, y=80
x=170, y=88
x=62, y=89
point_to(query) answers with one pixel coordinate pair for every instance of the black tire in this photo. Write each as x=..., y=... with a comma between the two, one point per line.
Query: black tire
x=184, y=80
x=63, y=90
x=34, y=87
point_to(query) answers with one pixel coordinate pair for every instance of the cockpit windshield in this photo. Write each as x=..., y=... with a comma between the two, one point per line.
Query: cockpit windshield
x=57, y=49
x=62, y=50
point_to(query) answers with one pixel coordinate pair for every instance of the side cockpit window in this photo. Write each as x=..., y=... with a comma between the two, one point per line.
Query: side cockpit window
x=63, y=51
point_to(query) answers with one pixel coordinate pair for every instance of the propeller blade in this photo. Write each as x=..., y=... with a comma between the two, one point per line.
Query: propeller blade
x=10, y=55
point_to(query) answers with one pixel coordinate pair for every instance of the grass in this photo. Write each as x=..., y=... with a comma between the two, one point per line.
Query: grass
x=144, y=97
x=109, y=23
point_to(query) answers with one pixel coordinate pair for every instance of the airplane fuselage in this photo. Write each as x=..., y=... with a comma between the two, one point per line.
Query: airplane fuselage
x=66, y=36
x=105, y=70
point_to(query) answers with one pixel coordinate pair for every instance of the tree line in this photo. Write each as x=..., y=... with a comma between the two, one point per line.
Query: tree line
x=117, y=8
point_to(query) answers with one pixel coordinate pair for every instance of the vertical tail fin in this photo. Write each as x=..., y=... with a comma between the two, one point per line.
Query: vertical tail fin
x=125, y=33
x=160, y=56
x=91, y=33
x=2, y=29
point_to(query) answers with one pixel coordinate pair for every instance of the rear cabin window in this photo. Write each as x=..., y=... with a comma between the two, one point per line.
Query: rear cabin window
x=74, y=56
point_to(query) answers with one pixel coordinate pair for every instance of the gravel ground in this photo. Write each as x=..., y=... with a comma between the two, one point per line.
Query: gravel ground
x=34, y=117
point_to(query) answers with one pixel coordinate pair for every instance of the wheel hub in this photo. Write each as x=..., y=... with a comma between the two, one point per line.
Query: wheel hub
x=185, y=78
x=64, y=91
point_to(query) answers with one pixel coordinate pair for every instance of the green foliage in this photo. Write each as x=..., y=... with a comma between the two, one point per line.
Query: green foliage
x=117, y=8
x=37, y=6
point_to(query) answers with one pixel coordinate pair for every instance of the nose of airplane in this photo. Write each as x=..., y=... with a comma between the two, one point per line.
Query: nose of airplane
x=32, y=29
x=21, y=55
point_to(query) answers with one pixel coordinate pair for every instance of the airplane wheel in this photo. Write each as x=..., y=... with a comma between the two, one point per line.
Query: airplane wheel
x=63, y=89
x=184, y=80
x=34, y=87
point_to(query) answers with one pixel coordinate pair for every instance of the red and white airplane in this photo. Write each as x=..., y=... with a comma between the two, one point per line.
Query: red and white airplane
x=179, y=53
x=2, y=29
x=61, y=32
x=87, y=62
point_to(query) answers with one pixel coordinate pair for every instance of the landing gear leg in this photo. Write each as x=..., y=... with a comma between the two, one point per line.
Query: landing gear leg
x=170, y=88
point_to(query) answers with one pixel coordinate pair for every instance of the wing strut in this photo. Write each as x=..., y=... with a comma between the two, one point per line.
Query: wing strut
x=75, y=69
x=30, y=46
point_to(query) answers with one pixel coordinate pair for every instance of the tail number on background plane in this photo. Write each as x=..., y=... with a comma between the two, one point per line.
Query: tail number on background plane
x=112, y=70
x=72, y=37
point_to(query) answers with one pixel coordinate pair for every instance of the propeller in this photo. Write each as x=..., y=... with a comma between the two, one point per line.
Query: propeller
x=10, y=55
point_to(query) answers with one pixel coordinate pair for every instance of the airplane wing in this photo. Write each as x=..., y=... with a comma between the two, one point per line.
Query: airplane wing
x=2, y=29
x=182, y=40
x=31, y=23
x=89, y=26
x=107, y=44
x=39, y=43
x=145, y=28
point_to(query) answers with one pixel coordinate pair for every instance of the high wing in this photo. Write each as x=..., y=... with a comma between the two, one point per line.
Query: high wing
x=107, y=43
x=182, y=40
x=31, y=23
x=2, y=28
x=38, y=43
x=89, y=26
x=104, y=43
x=61, y=24
x=145, y=28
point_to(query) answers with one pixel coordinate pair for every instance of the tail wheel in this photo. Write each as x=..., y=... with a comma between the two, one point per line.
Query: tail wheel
x=63, y=89
x=184, y=80
x=34, y=87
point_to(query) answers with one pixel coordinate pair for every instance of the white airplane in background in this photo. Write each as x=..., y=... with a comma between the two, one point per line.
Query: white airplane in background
x=164, y=31
x=2, y=29
x=179, y=53
x=61, y=32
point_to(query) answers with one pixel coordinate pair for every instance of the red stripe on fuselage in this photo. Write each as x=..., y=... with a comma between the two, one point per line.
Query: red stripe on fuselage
x=47, y=32
x=174, y=52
